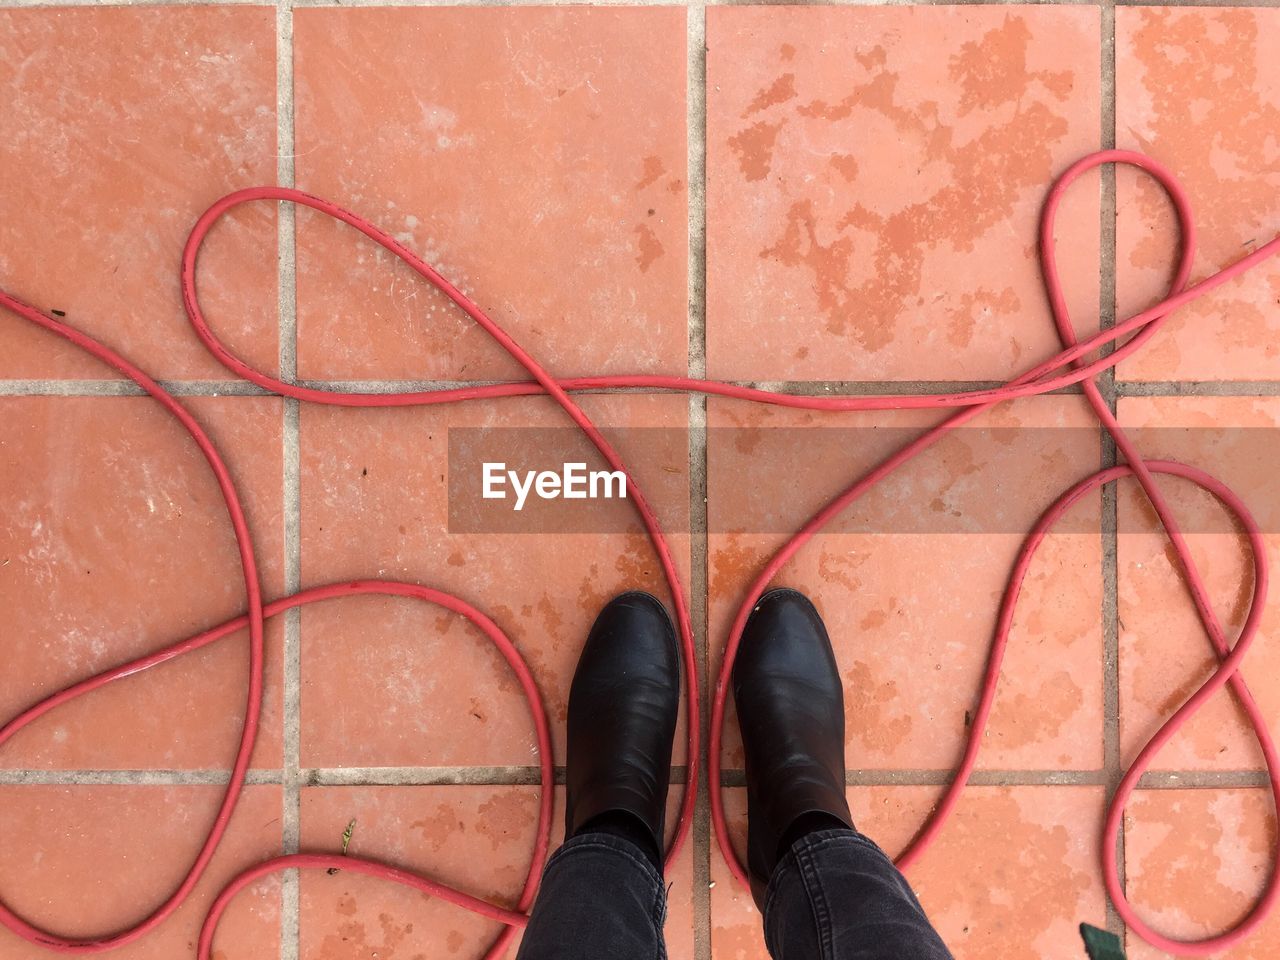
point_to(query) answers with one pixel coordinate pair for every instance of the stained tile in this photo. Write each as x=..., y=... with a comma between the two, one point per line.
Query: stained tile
x=1196, y=860
x=912, y=612
x=874, y=182
x=127, y=123
x=87, y=860
x=476, y=838
x=397, y=683
x=1012, y=876
x=115, y=542
x=516, y=150
x=1164, y=653
x=1199, y=90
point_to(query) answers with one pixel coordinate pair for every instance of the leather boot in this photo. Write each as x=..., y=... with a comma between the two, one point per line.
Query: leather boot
x=791, y=712
x=622, y=717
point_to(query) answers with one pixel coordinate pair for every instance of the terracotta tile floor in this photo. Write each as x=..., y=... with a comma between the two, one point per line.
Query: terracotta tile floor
x=844, y=197
x=1010, y=875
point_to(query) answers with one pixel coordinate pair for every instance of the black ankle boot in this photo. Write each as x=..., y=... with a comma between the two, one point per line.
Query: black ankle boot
x=622, y=718
x=791, y=711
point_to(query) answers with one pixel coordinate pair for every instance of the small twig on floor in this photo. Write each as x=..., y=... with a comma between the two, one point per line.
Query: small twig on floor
x=346, y=842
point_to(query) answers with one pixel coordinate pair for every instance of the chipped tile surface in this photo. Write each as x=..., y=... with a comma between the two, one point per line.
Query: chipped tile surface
x=514, y=149
x=476, y=838
x=1196, y=861
x=115, y=543
x=911, y=615
x=874, y=179
x=82, y=859
x=408, y=697
x=101, y=191
x=1199, y=90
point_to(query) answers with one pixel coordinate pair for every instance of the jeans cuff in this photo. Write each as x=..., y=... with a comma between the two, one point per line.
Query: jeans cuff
x=613, y=844
x=788, y=869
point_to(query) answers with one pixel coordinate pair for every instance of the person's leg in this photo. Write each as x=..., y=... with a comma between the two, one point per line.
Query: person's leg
x=836, y=895
x=602, y=893
x=600, y=897
x=825, y=890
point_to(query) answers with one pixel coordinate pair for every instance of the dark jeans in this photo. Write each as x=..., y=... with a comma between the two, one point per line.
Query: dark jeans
x=834, y=896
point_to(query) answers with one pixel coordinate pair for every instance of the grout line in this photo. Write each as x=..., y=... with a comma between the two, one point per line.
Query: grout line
x=486, y=3
x=1198, y=3
x=286, y=226
x=338, y=4
x=530, y=776
x=292, y=692
x=696, y=145
x=146, y=778
x=699, y=5
x=423, y=776
x=217, y=388
x=1198, y=388
x=1106, y=381
x=940, y=778
x=884, y=387
x=308, y=776
x=37, y=4
x=1155, y=780
x=240, y=388
x=1203, y=779
x=127, y=388
x=691, y=6
x=515, y=775
x=905, y=3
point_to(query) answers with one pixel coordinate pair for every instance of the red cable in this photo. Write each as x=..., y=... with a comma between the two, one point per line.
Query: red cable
x=1067, y=367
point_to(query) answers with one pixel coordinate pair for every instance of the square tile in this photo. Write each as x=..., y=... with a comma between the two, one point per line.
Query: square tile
x=1195, y=861
x=1012, y=876
x=874, y=183
x=1164, y=652
x=88, y=860
x=909, y=581
x=126, y=124
x=476, y=838
x=1222, y=148
x=416, y=686
x=516, y=149
x=115, y=543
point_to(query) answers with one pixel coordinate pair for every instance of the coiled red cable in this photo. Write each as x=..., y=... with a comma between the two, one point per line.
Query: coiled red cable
x=1067, y=367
